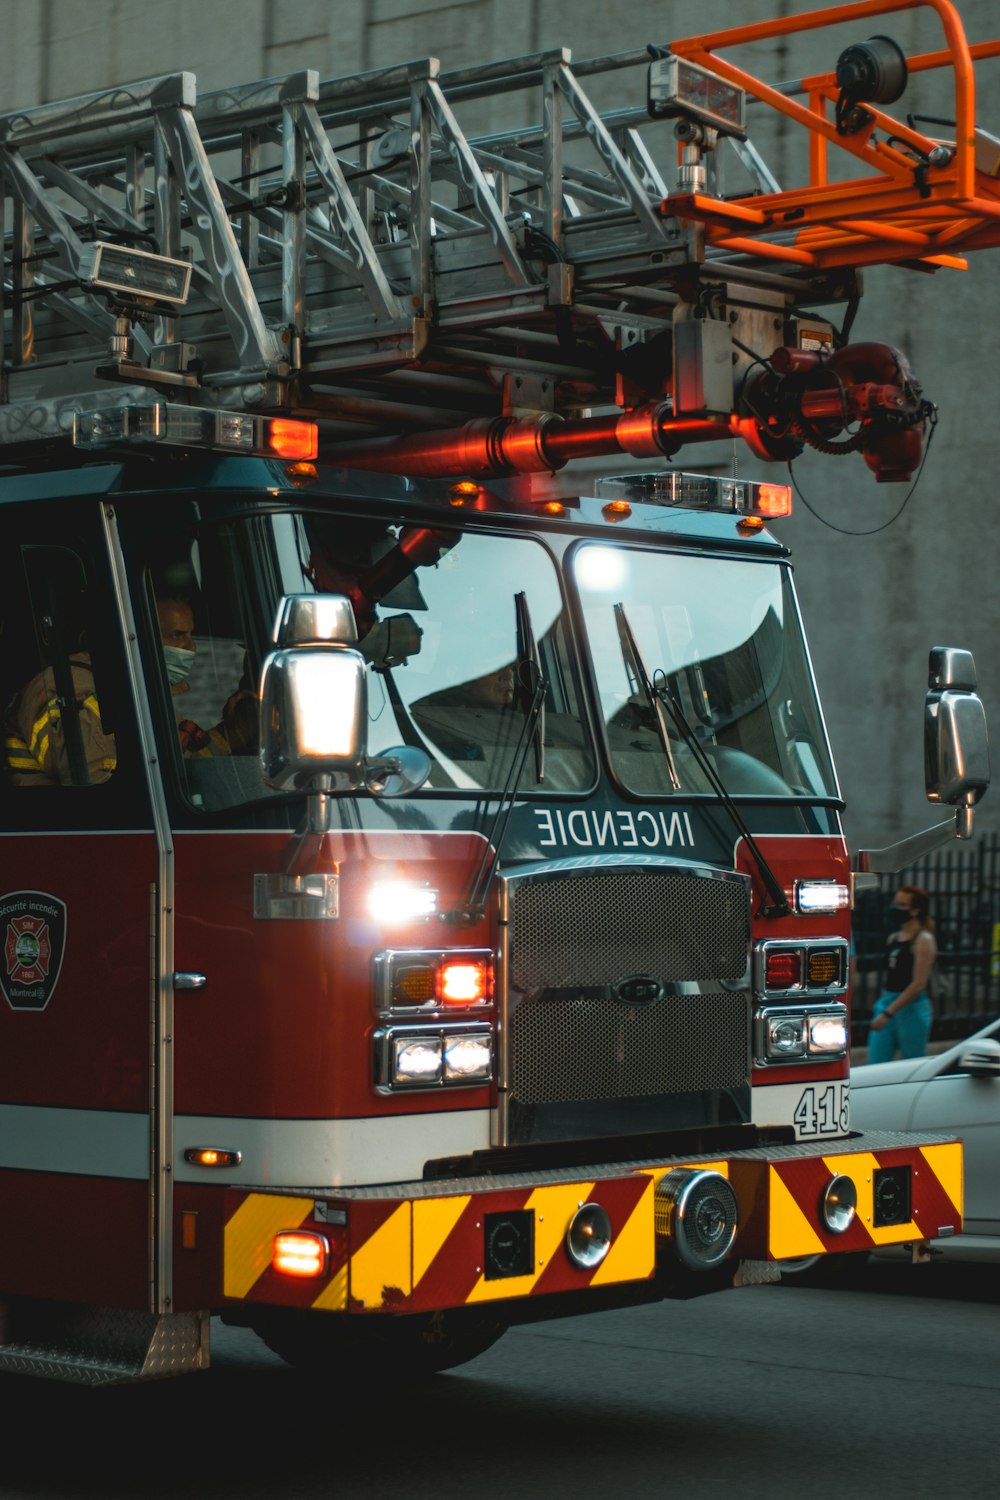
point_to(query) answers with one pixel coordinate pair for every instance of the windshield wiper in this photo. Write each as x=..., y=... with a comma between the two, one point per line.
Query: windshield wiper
x=635, y=669
x=779, y=906
x=531, y=731
x=474, y=906
x=661, y=703
x=527, y=654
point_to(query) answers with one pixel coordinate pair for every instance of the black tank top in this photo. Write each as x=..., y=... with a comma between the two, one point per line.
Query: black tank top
x=899, y=964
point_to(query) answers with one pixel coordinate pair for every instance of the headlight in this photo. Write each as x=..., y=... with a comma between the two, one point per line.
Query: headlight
x=786, y=1036
x=416, y=1060
x=828, y=1034
x=468, y=1059
x=433, y=1056
x=808, y=1033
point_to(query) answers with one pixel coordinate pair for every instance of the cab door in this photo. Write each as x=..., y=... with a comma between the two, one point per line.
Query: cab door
x=78, y=887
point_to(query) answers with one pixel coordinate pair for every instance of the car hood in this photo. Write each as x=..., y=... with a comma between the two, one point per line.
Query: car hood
x=872, y=1075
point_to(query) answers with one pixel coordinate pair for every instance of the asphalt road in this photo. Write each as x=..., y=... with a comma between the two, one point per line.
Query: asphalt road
x=888, y=1390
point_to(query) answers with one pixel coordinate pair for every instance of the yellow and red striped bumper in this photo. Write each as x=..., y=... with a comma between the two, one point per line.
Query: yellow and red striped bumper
x=431, y=1248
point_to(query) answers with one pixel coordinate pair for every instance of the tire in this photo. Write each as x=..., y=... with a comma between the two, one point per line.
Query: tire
x=370, y=1345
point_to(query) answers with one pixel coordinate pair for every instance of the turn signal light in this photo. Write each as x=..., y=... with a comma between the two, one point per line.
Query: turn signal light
x=300, y=1252
x=212, y=1156
x=825, y=967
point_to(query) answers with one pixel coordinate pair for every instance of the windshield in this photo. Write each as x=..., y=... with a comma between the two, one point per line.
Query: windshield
x=720, y=639
x=441, y=623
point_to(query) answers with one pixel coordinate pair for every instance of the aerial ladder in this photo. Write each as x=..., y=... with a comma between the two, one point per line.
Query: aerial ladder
x=449, y=303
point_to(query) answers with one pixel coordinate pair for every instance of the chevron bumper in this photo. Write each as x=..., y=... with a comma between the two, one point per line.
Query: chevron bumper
x=424, y=1246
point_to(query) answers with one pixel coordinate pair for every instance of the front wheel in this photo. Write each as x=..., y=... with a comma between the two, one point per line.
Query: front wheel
x=417, y=1345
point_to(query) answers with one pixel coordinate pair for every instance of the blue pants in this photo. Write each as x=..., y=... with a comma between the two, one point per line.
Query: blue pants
x=907, y=1030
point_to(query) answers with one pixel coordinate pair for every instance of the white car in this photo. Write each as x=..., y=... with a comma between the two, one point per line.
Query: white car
x=957, y=1091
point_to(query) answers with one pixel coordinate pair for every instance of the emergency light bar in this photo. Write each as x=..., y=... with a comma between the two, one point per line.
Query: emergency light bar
x=139, y=274
x=196, y=427
x=710, y=492
x=678, y=88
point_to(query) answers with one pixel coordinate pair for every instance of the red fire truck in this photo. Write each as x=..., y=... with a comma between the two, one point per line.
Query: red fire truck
x=425, y=906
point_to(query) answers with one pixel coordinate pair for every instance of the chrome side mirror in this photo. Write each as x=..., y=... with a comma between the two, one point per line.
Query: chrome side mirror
x=956, y=763
x=956, y=742
x=314, y=704
x=314, y=709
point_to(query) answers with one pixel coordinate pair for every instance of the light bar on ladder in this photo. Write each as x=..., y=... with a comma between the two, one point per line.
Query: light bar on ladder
x=195, y=427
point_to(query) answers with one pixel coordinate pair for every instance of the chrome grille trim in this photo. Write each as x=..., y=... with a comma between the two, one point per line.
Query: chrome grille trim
x=572, y=931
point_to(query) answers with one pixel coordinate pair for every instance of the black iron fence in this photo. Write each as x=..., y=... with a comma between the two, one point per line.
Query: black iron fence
x=963, y=882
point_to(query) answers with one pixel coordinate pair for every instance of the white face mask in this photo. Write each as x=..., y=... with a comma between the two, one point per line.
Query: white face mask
x=179, y=663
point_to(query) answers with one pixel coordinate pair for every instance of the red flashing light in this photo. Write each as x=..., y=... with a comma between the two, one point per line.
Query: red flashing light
x=301, y=1253
x=290, y=438
x=774, y=500
x=465, y=982
x=783, y=969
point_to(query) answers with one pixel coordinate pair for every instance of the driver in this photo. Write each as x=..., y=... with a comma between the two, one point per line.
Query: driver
x=237, y=731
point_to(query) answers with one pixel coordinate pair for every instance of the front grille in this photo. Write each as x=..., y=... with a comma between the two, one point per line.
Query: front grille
x=568, y=1048
x=573, y=938
x=598, y=927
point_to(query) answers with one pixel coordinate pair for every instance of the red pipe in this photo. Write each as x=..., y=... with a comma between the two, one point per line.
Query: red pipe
x=531, y=445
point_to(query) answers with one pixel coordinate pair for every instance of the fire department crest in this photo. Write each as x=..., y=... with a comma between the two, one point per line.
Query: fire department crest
x=33, y=928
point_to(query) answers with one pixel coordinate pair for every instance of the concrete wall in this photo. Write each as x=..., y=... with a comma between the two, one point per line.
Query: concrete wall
x=873, y=603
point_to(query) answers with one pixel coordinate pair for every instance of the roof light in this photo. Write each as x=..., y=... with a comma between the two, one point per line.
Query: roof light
x=773, y=500
x=195, y=427
x=711, y=492
x=464, y=491
x=290, y=438
x=616, y=510
x=300, y=1252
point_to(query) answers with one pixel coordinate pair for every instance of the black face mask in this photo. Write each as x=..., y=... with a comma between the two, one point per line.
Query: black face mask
x=901, y=914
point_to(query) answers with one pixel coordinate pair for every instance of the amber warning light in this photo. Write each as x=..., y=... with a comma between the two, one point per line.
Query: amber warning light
x=707, y=492
x=289, y=438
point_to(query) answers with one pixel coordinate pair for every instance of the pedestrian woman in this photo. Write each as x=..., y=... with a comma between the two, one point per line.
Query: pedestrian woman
x=901, y=1020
